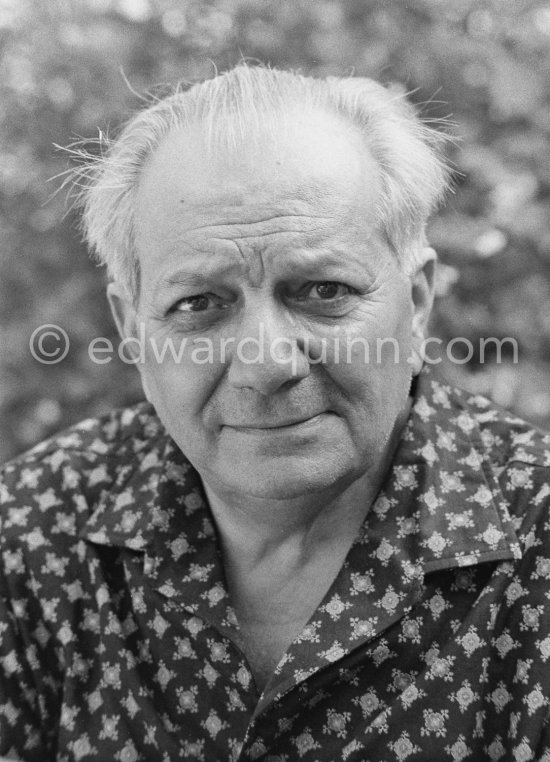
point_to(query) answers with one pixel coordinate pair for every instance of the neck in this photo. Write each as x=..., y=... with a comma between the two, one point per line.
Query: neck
x=254, y=528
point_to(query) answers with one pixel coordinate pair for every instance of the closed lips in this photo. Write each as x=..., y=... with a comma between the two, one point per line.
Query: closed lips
x=275, y=424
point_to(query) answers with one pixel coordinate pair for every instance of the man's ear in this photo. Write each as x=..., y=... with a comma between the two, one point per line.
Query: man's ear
x=422, y=280
x=123, y=310
x=422, y=294
x=125, y=316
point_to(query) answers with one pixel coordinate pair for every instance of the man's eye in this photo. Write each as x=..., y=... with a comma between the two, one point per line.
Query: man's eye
x=327, y=289
x=198, y=303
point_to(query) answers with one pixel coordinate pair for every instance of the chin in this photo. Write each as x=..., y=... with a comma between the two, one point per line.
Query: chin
x=291, y=480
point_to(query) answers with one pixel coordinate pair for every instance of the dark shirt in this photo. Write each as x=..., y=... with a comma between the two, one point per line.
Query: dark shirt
x=118, y=641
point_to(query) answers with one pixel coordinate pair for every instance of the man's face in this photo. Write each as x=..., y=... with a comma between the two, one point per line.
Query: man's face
x=275, y=261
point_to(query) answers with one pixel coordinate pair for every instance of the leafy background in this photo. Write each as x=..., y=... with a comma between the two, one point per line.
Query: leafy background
x=65, y=71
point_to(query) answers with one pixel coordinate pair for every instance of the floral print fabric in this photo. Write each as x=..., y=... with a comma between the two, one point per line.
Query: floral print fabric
x=118, y=640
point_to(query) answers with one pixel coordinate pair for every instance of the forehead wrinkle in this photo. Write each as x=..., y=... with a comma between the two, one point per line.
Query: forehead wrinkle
x=217, y=255
x=203, y=265
x=223, y=240
x=227, y=229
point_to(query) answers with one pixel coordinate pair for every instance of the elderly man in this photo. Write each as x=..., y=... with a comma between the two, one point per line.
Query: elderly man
x=297, y=549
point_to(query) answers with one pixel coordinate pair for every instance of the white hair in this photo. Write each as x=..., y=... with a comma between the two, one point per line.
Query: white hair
x=234, y=107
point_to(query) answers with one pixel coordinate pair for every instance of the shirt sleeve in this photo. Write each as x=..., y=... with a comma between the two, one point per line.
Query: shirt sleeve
x=21, y=724
x=28, y=691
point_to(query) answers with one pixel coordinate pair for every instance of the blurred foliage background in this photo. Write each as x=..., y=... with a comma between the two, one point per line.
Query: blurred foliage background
x=69, y=67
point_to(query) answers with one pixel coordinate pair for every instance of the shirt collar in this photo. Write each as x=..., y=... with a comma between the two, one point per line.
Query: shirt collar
x=442, y=473
x=151, y=495
x=160, y=508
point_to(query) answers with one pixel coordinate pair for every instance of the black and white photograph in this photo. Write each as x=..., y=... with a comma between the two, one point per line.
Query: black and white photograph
x=274, y=380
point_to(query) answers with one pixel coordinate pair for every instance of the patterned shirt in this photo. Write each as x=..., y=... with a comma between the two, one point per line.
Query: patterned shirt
x=118, y=640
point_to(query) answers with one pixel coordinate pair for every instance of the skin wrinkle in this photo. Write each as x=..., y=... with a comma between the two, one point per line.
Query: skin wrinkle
x=242, y=237
x=239, y=229
x=309, y=253
x=274, y=216
x=182, y=240
x=185, y=238
x=193, y=284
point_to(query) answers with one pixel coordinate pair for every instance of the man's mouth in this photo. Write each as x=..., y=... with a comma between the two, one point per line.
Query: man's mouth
x=278, y=424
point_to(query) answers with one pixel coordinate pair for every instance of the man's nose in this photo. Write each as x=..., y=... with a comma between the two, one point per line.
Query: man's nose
x=268, y=351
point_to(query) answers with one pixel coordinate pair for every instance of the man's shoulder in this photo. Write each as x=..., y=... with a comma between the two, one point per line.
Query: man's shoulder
x=506, y=438
x=499, y=435
x=519, y=454
x=513, y=453
x=62, y=478
x=94, y=437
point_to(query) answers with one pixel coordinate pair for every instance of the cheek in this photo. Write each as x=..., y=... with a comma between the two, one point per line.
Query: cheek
x=180, y=388
x=378, y=344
